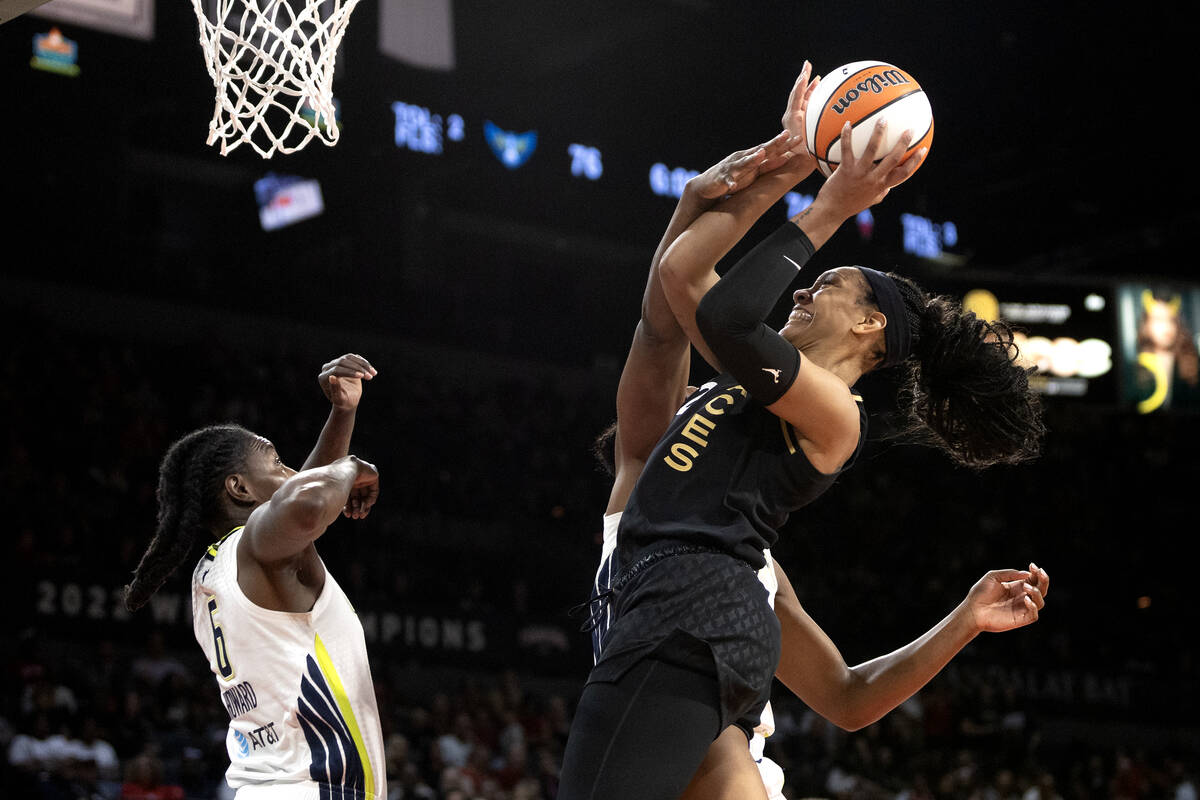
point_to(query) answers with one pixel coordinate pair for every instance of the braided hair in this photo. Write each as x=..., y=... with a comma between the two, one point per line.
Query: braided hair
x=963, y=389
x=190, y=480
x=604, y=450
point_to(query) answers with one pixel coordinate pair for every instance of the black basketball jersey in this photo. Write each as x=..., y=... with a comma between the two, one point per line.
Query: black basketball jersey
x=727, y=473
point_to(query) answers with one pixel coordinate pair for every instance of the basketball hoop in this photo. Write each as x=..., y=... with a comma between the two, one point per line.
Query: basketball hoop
x=272, y=64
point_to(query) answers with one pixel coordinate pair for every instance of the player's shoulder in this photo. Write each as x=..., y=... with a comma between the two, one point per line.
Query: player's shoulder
x=217, y=553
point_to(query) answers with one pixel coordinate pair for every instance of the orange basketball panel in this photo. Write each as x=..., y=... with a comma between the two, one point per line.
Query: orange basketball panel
x=859, y=95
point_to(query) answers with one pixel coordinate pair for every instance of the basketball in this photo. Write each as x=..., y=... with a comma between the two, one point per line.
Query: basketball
x=863, y=92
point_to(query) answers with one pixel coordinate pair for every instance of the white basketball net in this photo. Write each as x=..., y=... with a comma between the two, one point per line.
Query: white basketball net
x=272, y=63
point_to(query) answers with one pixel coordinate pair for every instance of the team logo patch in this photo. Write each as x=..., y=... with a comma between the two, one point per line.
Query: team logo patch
x=513, y=149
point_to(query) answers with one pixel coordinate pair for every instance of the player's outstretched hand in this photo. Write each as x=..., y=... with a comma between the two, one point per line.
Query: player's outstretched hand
x=365, y=491
x=341, y=380
x=794, y=116
x=858, y=182
x=1005, y=599
x=741, y=168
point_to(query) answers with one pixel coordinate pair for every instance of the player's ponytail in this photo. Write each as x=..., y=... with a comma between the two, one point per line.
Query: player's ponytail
x=964, y=391
x=190, y=480
x=604, y=450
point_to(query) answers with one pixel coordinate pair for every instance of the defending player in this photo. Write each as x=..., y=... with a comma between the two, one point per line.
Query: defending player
x=653, y=385
x=283, y=641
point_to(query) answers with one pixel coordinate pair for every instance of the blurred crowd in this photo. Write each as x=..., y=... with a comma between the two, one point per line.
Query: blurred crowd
x=491, y=505
x=99, y=725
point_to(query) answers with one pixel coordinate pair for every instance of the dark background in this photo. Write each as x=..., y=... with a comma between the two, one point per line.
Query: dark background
x=143, y=299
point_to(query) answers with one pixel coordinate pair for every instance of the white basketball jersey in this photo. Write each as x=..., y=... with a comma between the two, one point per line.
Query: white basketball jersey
x=603, y=582
x=303, y=720
x=771, y=773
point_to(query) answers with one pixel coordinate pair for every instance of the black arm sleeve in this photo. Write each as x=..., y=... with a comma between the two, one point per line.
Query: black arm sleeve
x=730, y=315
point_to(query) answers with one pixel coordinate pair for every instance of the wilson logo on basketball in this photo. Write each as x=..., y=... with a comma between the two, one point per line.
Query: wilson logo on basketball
x=872, y=84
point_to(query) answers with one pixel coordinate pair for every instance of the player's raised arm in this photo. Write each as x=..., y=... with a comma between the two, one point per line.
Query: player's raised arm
x=304, y=505
x=853, y=697
x=689, y=265
x=654, y=379
x=810, y=393
x=341, y=381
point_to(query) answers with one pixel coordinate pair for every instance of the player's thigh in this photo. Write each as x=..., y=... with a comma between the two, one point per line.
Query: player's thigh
x=642, y=736
x=728, y=771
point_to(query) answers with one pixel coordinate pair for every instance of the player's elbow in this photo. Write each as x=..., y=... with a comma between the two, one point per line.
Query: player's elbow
x=306, y=507
x=852, y=721
x=842, y=704
x=671, y=273
x=722, y=321
x=843, y=714
x=658, y=336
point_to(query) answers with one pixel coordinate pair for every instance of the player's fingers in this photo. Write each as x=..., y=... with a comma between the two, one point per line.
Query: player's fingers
x=362, y=362
x=752, y=157
x=894, y=156
x=743, y=169
x=349, y=372
x=1034, y=593
x=1043, y=578
x=1032, y=608
x=799, y=89
x=846, y=139
x=778, y=141
x=812, y=85
x=355, y=362
x=1008, y=575
x=794, y=144
x=905, y=171
x=873, y=141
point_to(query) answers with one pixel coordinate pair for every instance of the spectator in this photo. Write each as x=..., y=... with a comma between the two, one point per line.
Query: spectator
x=91, y=747
x=155, y=665
x=144, y=780
x=454, y=747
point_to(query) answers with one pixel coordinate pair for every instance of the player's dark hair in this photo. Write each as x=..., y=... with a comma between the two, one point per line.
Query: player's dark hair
x=604, y=449
x=190, y=481
x=963, y=391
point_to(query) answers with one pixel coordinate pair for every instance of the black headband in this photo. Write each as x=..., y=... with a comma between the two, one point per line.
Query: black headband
x=897, y=337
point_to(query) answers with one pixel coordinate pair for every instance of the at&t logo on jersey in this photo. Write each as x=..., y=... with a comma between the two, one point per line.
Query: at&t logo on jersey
x=513, y=149
x=257, y=739
x=243, y=746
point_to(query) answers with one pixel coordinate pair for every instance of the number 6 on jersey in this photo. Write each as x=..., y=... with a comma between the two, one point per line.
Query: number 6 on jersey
x=223, y=665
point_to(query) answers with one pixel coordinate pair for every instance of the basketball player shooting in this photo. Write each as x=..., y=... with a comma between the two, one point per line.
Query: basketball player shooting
x=653, y=385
